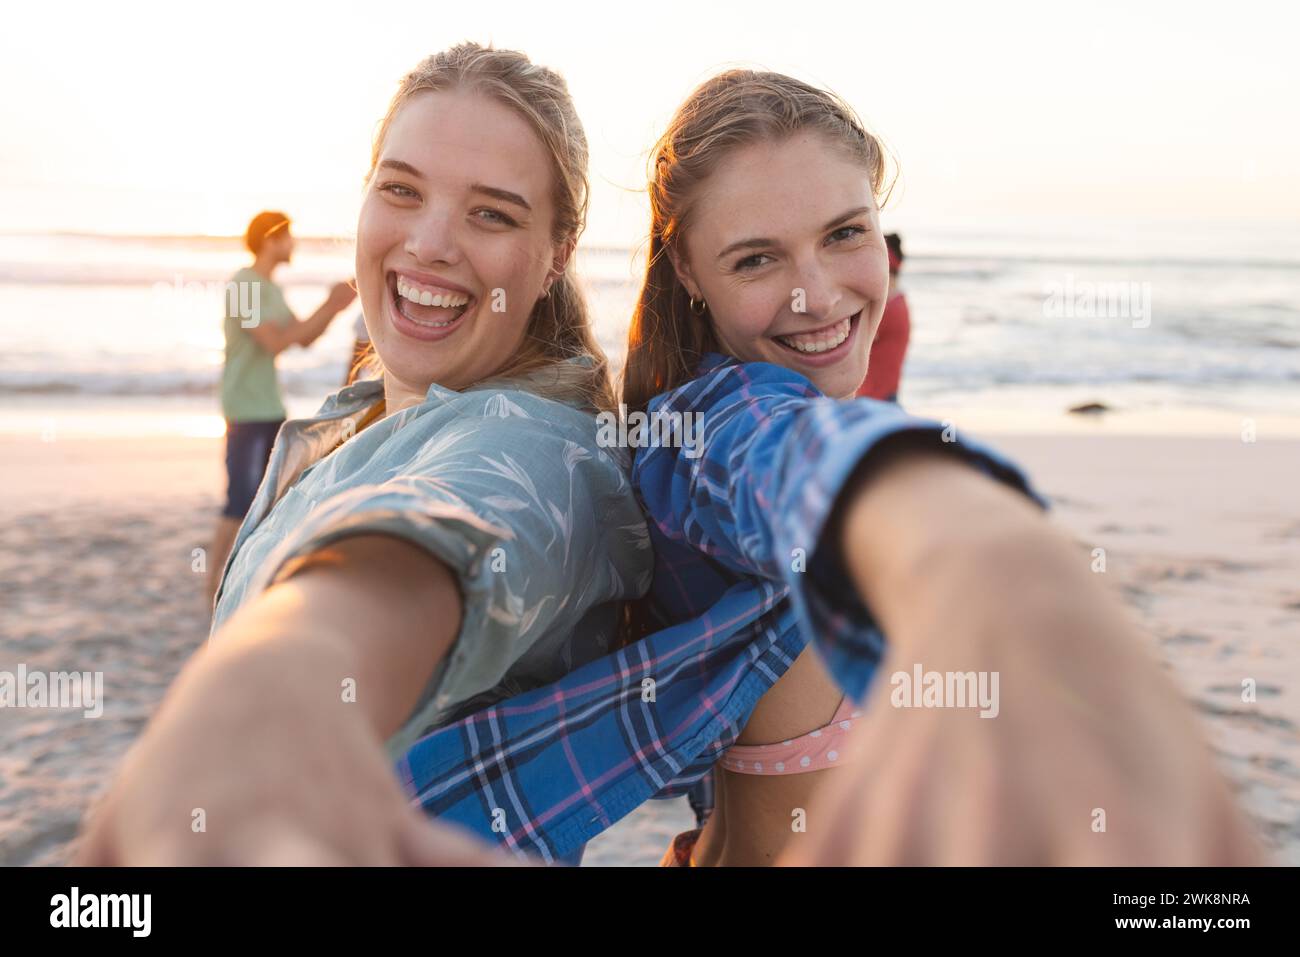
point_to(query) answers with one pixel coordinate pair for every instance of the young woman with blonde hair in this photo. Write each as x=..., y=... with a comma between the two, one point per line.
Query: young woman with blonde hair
x=435, y=539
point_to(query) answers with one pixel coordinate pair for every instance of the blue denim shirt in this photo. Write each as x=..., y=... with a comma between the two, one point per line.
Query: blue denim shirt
x=510, y=490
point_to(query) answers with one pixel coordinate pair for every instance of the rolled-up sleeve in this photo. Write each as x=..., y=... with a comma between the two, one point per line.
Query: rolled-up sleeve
x=757, y=492
x=537, y=523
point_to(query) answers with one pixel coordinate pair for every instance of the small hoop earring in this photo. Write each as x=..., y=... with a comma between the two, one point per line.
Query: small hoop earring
x=699, y=311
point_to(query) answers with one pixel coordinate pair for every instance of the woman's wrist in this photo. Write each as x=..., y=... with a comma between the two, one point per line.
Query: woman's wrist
x=919, y=521
x=1005, y=595
x=941, y=553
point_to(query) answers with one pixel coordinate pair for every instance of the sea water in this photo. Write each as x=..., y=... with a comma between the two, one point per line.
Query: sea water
x=123, y=335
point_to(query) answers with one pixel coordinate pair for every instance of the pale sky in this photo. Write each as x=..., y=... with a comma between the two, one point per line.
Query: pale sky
x=171, y=118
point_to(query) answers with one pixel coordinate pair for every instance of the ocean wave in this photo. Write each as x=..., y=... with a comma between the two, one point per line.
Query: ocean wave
x=100, y=274
x=968, y=373
x=174, y=384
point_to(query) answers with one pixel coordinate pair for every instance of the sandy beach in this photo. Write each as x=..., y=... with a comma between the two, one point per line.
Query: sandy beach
x=97, y=573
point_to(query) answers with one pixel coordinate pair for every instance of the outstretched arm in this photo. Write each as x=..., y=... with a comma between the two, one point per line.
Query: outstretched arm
x=303, y=332
x=259, y=755
x=1090, y=756
x=884, y=525
x=419, y=592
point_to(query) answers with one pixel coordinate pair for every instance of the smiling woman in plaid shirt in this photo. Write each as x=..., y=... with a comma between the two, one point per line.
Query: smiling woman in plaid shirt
x=796, y=518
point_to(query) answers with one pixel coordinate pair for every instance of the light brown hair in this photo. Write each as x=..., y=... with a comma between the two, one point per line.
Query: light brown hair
x=559, y=327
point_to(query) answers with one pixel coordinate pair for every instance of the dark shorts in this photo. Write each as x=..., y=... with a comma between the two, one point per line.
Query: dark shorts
x=248, y=450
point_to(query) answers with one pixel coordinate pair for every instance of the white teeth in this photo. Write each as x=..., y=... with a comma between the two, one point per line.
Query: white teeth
x=423, y=297
x=822, y=341
x=431, y=325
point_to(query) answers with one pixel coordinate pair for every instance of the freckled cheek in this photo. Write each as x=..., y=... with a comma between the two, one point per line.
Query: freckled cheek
x=749, y=313
x=869, y=277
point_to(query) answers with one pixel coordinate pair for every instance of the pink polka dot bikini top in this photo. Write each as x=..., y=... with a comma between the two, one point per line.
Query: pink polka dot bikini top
x=814, y=751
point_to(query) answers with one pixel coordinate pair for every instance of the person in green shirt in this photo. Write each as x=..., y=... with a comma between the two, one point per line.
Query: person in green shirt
x=258, y=326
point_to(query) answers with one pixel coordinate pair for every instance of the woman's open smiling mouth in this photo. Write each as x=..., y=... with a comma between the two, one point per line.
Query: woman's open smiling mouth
x=825, y=346
x=423, y=310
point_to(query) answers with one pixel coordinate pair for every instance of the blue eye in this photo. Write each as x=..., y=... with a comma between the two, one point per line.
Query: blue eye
x=393, y=188
x=751, y=262
x=846, y=232
x=495, y=216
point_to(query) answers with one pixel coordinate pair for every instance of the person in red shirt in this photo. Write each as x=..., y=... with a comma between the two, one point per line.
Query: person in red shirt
x=885, y=364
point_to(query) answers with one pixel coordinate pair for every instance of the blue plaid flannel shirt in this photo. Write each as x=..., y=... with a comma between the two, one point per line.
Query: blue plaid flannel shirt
x=740, y=587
